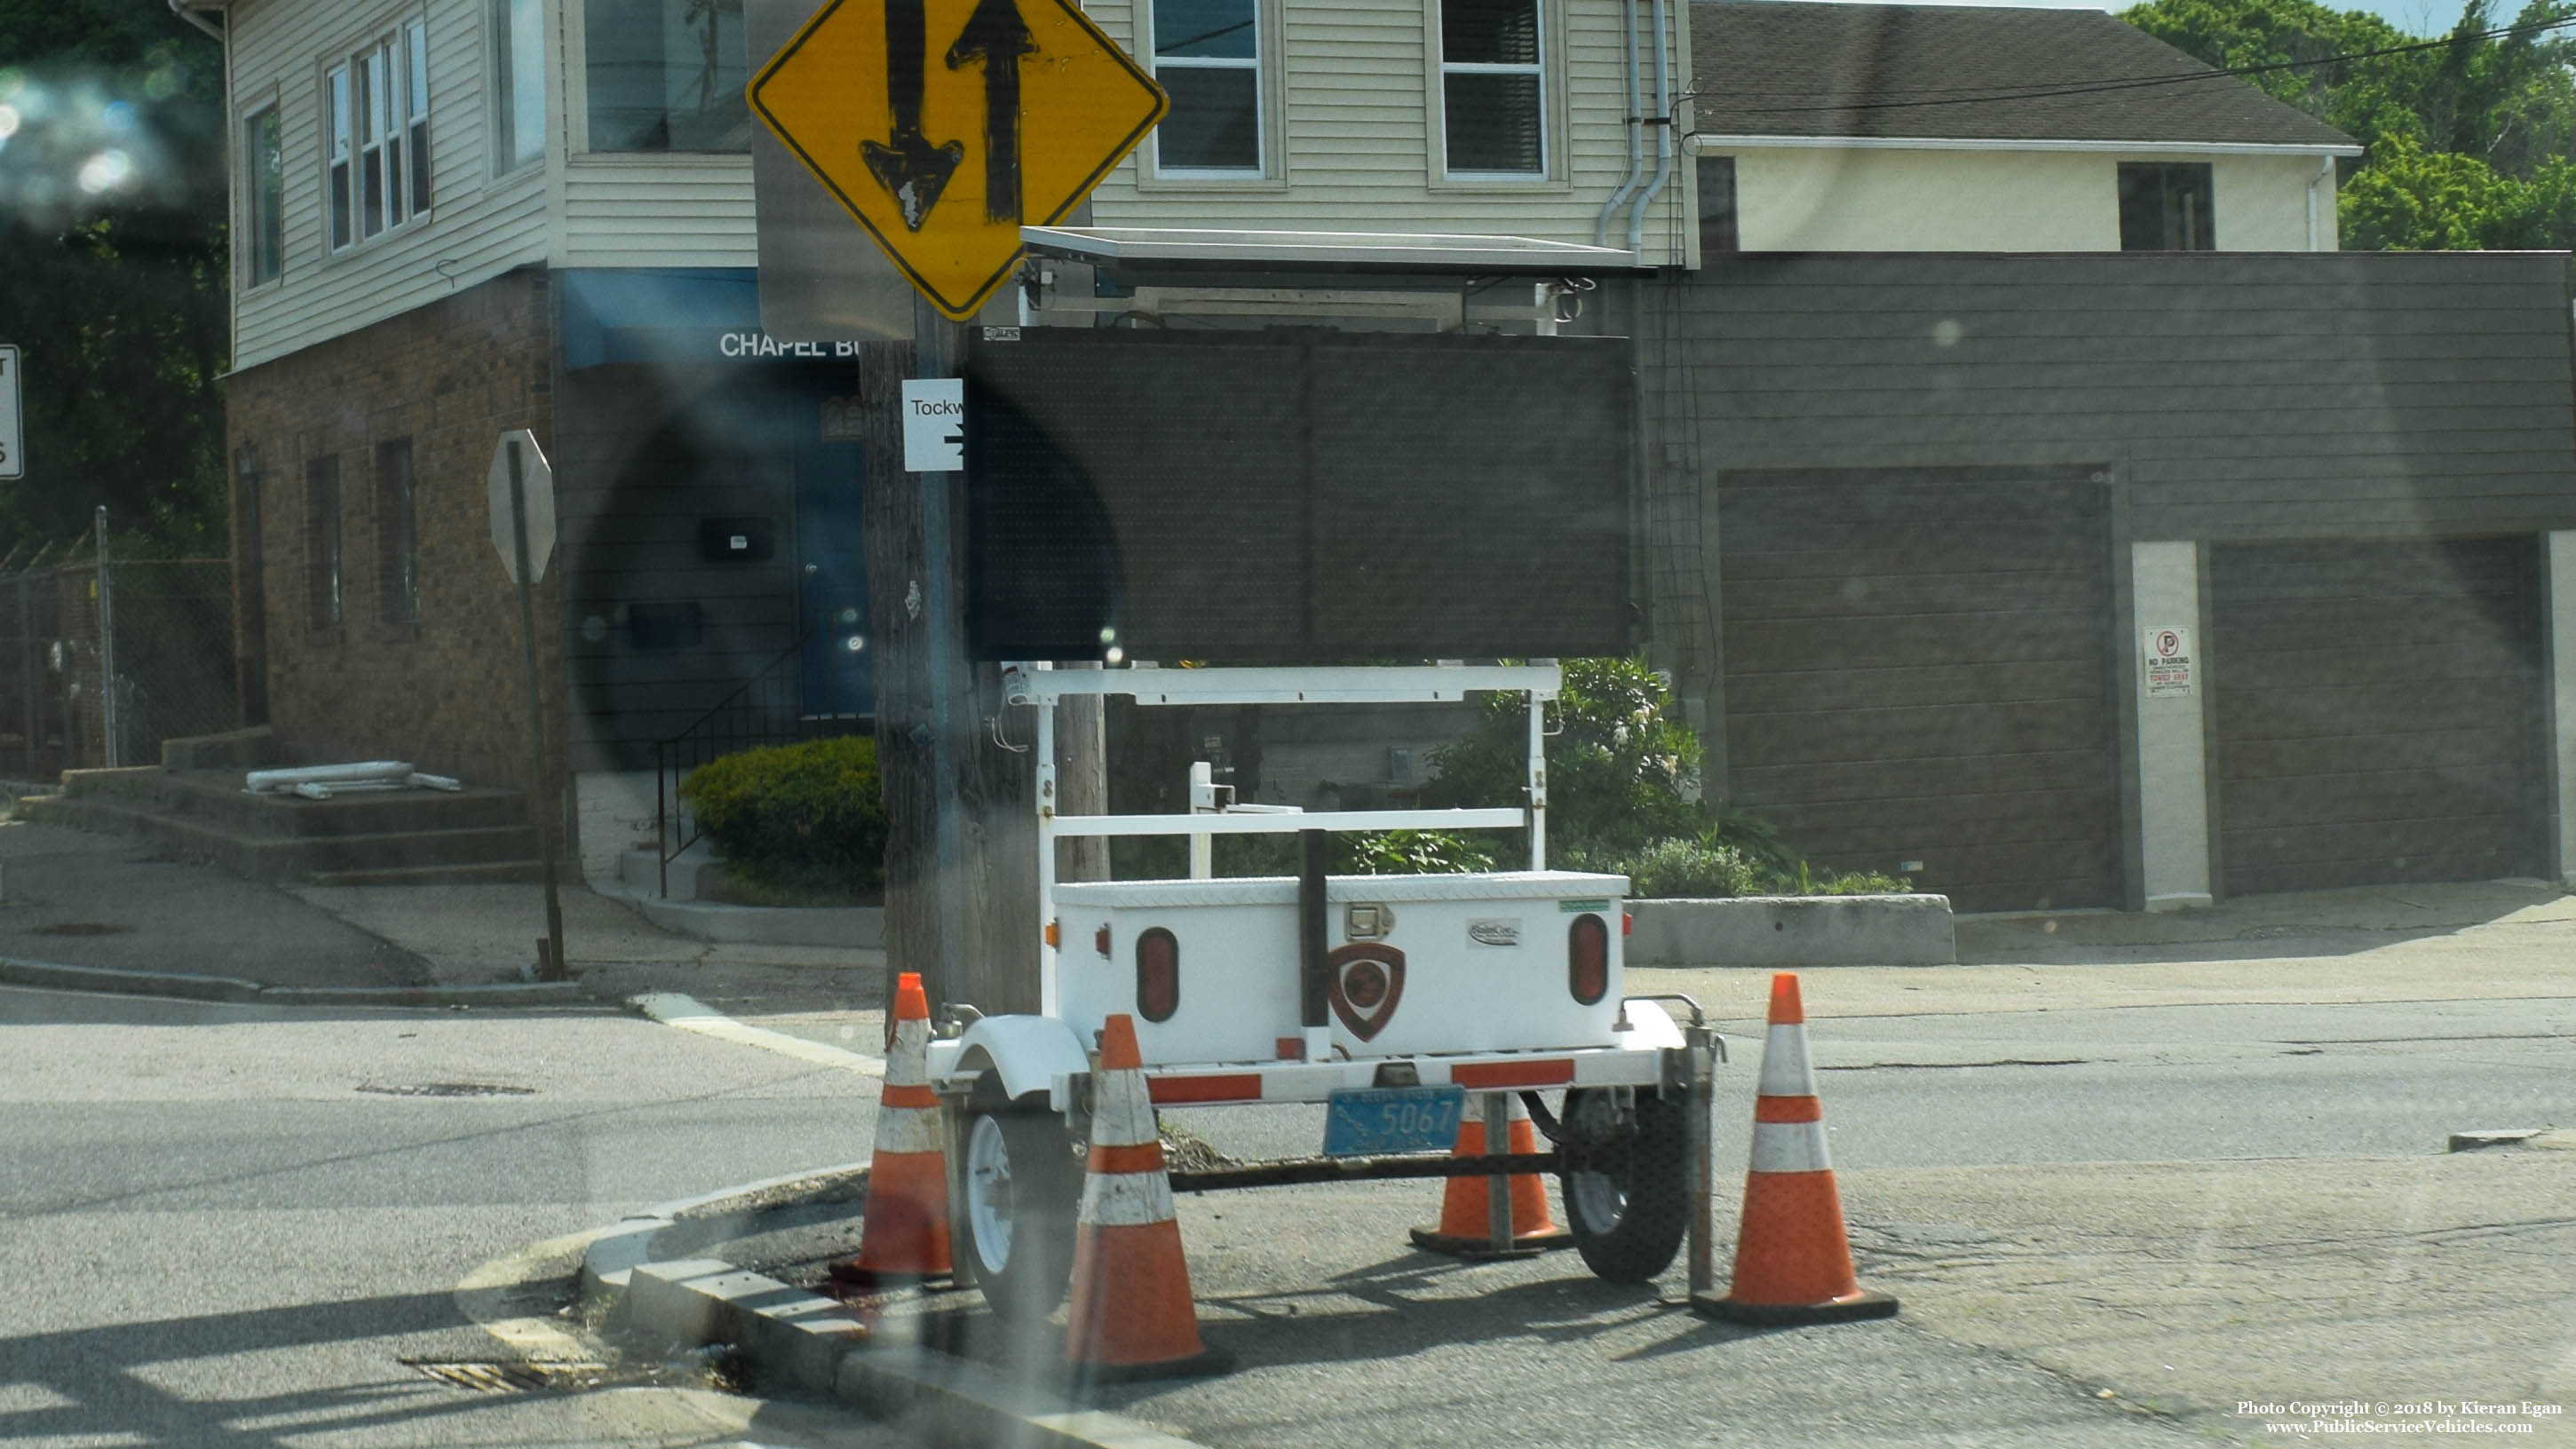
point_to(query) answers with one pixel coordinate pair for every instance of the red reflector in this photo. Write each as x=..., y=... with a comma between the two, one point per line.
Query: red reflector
x=1289, y=1048
x=1245, y=1087
x=1627, y=923
x=1587, y=958
x=1476, y=1076
x=1158, y=974
x=1100, y=940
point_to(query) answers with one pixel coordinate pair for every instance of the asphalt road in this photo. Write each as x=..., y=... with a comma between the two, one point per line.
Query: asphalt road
x=2181, y=1206
x=2144, y=1084
x=243, y=1227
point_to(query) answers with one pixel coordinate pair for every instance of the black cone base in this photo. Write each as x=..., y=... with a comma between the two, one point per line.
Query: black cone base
x=1860, y=1305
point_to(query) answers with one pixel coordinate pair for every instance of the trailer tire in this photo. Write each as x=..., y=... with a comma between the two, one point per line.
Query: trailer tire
x=1629, y=1218
x=1023, y=1189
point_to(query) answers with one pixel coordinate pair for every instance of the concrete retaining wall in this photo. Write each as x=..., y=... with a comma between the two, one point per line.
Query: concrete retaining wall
x=1909, y=930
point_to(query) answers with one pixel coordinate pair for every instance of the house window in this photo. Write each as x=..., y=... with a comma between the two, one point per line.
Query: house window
x=2165, y=207
x=263, y=199
x=666, y=75
x=1207, y=55
x=322, y=542
x=1492, y=88
x=376, y=109
x=1717, y=206
x=397, y=535
x=518, y=84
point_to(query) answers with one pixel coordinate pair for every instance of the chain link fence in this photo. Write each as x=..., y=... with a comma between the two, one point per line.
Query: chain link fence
x=168, y=643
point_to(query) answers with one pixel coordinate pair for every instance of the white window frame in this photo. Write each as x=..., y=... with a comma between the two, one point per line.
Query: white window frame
x=375, y=109
x=255, y=201
x=1550, y=89
x=503, y=72
x=1264, y=93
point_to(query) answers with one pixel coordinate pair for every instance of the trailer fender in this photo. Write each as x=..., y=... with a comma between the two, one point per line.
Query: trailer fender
x=1649, y=1025
x=1030, y=1053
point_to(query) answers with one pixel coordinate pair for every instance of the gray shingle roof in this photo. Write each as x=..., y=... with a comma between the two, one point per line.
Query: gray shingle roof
x=1799, y=68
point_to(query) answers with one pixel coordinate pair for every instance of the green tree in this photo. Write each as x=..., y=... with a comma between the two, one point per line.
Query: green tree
x=2468, y=142
x=112, y=270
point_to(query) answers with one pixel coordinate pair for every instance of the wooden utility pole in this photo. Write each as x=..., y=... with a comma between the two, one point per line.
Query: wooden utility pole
x=961, y=866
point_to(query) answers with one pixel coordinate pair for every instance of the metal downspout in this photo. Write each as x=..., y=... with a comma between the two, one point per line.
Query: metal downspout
x=1663, y=137
x=2325, y=173
x=1636, y=151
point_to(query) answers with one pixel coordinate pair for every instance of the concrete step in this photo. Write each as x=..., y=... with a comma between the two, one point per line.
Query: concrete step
x=492, y=872
x=217, y=798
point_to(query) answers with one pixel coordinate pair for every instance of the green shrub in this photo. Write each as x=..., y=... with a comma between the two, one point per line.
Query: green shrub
x=803, y=821
x=1622, y=767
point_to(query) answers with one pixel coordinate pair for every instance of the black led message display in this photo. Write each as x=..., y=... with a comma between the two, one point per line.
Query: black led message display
x=1298, y=496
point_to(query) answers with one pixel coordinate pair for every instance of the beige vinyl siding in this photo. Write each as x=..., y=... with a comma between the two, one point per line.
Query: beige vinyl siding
x=1894, y=199
x=475, y=229
x=677, y=210
x=1359, y=139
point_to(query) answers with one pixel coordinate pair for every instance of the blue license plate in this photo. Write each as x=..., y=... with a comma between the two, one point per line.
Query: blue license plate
x=1373, y=1120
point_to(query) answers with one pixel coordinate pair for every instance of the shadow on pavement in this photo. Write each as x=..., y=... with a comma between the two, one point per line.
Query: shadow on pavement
x=115, y=1384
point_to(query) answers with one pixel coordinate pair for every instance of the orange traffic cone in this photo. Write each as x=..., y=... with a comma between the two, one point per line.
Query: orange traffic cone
x=1792, y=1254
x=1131, y=1315
x=905, y=1236
x=1465, y=1229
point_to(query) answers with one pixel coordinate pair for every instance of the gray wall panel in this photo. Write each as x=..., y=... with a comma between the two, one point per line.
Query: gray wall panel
x=2254, y=395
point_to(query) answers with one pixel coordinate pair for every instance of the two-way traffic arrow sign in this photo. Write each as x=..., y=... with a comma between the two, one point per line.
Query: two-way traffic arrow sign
x=1029, y=89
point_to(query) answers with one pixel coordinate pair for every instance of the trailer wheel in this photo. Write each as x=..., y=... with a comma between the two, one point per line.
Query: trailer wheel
x=1023, y=1189
x=1629, y=1217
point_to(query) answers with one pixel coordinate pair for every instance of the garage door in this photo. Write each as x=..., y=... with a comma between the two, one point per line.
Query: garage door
x=1917, y=670
x=2378, y=712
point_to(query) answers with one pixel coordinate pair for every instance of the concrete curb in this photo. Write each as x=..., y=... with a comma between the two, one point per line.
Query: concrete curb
x=856, y=928
x=812, y=1342
x=190, y=987
x=1906, y=930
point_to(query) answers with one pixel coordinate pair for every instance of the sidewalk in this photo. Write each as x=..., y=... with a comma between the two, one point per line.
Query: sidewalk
x=102, y=901
x=105, y=903
x=2479, y=939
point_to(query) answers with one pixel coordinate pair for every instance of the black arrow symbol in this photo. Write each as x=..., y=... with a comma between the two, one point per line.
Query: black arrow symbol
x=911, y=170
x=996, y=35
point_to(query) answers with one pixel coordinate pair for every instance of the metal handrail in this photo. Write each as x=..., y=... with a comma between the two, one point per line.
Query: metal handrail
x=763, y=710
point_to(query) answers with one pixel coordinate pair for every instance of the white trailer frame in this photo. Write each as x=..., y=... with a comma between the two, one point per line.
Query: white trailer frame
x=1043, y=1053
x=1044, y=686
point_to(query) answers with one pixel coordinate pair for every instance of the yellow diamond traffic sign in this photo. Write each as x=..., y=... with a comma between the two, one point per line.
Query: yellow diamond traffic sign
x=946, y=125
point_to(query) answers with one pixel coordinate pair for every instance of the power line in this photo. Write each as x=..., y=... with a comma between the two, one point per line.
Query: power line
x=1992, y=95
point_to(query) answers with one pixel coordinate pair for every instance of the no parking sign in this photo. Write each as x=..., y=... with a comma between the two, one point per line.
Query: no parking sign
x=2167, y=655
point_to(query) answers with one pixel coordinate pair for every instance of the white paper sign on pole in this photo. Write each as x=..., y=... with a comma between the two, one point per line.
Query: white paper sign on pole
x=2167, y=652
x=13, y=433
x=934, y=425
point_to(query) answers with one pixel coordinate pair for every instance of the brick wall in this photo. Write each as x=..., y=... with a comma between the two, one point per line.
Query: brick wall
x=445, y=691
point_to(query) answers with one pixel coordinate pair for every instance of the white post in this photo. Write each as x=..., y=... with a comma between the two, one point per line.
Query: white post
x=2560, y=561
x=1537, y=782
x=1045, y=795
x=2173, y=771
x=1202, y=802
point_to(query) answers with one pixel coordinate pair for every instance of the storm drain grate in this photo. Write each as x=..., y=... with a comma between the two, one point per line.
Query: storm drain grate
x=449, y=1089
x=494, y=1377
